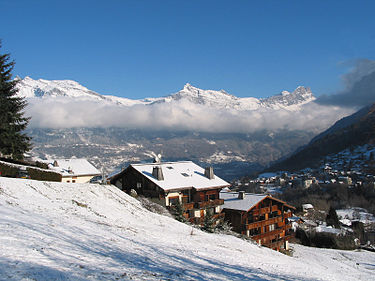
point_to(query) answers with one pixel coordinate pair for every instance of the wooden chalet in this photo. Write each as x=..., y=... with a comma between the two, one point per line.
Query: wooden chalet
x=167, y=183
x=261, y=217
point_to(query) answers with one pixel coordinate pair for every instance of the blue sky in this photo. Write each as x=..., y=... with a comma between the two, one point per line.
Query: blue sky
x=140, y=49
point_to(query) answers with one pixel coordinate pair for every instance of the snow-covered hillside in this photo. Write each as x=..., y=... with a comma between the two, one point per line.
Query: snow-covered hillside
x=41, y=88
x=55, y=231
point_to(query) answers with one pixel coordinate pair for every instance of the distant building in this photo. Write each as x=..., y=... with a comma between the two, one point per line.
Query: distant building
x=307, y=207
x=345, y=180
x=197, y=189
x=261, y=217
x=307, y=183
x=74, y=170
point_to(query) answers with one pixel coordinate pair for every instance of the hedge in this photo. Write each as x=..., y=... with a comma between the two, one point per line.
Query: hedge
x=8, y=170
x=12, y=170
x=37, y=174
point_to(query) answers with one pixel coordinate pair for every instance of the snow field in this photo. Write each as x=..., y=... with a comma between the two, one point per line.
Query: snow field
x=56, y=231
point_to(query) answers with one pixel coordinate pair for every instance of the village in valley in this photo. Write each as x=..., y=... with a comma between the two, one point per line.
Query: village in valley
x=253, y=209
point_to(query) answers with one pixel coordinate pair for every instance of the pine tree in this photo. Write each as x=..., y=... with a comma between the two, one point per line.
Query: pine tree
x=13, y=142
x=209, y=221
x=178, y=211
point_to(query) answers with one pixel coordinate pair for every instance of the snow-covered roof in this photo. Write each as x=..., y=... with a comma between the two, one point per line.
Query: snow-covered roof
x=73, y=167
x=307, y=206
x=180, y=175
x=231, y=200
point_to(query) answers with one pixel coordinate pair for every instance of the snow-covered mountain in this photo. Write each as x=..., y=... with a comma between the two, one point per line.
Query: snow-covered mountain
x=41, y=88
x=30, y=88
x=57, y=231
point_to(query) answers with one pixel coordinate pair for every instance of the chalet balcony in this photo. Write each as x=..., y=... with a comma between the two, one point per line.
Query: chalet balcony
x=263, y=223
x=188, y=206
x=289, y=236
x=219, y=216
x=274, y=245
x=261, y=211
x=210, y=203
x=279, y=231
x=274, y=208
x=268, y=234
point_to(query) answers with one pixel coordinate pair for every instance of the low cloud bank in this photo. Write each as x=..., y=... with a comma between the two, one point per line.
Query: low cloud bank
x=181, y=115
x=359, y=86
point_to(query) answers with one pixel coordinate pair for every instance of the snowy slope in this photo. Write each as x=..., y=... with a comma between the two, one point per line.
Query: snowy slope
x=41, y=88
x=55, y=231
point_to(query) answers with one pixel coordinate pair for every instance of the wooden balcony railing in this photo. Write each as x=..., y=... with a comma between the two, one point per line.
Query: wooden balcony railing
x=263, y=223
x=210, y=203
x=261, y=211
x=188, y=206
x=219, y=216
x=274, y=208
x=268, y=234
x=272, y=245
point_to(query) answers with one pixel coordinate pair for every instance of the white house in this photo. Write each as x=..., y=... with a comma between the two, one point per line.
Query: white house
x=74, y=170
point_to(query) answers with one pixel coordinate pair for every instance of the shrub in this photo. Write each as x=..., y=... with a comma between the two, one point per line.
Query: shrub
x=37, y=174
x=178, y=212
x=8, y=170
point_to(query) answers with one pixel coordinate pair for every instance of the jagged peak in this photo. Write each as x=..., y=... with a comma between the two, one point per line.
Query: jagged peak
x=303, y=89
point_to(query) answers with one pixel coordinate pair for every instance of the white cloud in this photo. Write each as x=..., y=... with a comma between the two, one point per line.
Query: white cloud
x=180, y=115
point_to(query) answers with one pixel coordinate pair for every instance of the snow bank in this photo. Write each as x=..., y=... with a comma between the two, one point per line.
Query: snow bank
x=57, y=231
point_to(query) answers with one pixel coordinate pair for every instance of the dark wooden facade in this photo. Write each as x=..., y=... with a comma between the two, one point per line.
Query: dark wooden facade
x=195, y=202
x=266, y=222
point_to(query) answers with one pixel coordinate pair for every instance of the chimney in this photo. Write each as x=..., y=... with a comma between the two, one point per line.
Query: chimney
x=241, y=195
x=157, y=173
x=55, y=164
x=209, y=173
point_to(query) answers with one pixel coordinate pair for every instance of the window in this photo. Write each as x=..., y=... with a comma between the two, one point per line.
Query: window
x=73, y=181
x=211, y=197
x=173, y=200
x=255, y=231
x=139, y=185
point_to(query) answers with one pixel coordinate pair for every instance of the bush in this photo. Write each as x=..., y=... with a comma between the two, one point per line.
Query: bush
x=208, y=222
x=8, y=170
x=37, y=174
x=326, y=240
x=178, y=212
x=152, y=206
x=223, y=227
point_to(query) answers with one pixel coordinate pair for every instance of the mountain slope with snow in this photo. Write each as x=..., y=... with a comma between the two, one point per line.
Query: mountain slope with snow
x=56, y=231
x=30, y=88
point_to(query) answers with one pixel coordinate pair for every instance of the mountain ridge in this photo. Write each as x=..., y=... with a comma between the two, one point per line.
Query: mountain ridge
x=355, y=130
x=41, y=88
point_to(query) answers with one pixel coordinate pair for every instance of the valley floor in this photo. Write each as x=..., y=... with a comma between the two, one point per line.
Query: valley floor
x=55, y=231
